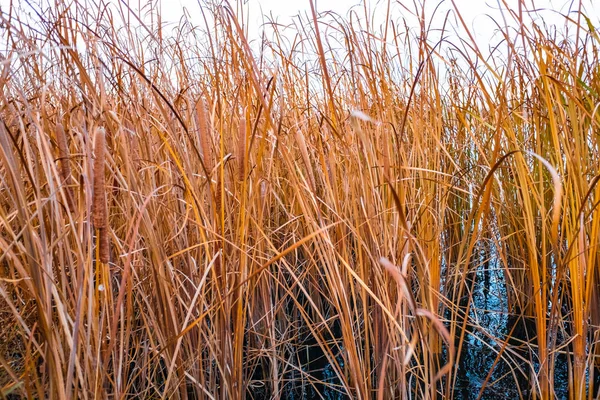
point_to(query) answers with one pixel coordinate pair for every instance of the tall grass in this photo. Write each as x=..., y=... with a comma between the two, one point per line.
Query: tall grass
x=185, y=213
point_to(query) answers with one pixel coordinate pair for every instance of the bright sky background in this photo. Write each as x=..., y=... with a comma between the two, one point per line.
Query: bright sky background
x=473, y=11
x=477, y=13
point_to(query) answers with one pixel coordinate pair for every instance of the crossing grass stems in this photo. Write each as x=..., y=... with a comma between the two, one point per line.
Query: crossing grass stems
x=185, y=213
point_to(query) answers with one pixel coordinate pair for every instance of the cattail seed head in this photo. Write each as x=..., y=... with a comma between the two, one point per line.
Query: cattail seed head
x=104, y=245
x=99, y=213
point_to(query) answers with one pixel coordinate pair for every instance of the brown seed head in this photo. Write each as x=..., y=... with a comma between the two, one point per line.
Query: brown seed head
x=99, y=214
x=103, y=244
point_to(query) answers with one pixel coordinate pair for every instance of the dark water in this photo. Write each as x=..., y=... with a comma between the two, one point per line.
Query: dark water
x=491, y=325
x=510, y=377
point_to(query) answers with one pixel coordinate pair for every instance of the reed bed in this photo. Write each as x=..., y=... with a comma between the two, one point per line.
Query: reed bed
x=186, y=213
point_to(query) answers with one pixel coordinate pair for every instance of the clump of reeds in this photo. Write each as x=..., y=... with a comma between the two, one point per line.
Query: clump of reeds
x=379, y=181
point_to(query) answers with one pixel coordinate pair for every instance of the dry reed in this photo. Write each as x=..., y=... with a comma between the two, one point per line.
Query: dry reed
x=65, y=167
x=395, y=201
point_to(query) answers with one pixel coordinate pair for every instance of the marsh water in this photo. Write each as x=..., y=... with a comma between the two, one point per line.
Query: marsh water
x=510, y=376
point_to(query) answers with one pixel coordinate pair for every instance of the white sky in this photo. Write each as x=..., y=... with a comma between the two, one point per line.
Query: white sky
x=473, y=11
x=479, y=14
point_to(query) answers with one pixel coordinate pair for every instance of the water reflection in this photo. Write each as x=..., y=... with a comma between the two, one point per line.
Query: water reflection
x=498, y=356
